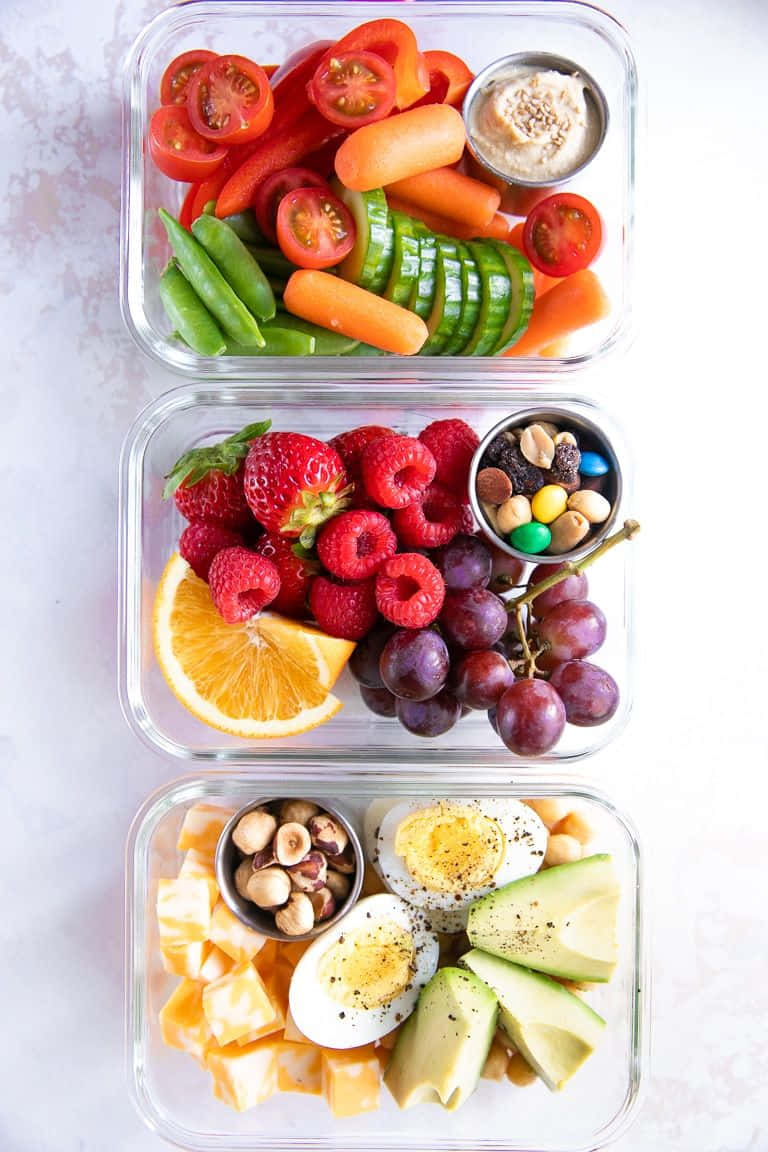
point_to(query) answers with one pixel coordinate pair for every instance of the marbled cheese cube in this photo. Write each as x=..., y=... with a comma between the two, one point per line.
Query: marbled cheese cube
x=215, y=964
x=276, y=983
x=291, y=953
x=182, y=1020
x=203, y=824
x=234, y=938
x=291, y=1032
x=183, y=910
x=196, y=864
x=185, y=959
x=243, y=1077
x=351, y=1080
x=237, y=1003
x=298, y=1068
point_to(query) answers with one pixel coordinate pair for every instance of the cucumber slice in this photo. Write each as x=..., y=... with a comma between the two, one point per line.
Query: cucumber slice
x=521, y=303
x=369, y=262
x=470, y=303
x=446, y=306
x=495, y=295
x=423, y=291
x=405, y=260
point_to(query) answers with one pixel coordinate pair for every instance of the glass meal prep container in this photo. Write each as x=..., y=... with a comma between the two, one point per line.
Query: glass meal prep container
x=172, y=1092
x=480, y=32
x=149, y=531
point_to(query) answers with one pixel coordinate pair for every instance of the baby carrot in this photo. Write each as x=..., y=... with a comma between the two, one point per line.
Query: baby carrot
x=541, y=282
x=498, y=228
x=575, y=302
x=404, y=145
x=450, y=193
x=336, y=304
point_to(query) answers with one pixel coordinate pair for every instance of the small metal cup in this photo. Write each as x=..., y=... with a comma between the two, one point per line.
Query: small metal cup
x=228, y=857
x=519, y=196
x=591, y=438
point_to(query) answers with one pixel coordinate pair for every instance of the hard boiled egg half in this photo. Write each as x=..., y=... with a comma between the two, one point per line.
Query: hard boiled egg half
x=363, y=976
x=441, y=855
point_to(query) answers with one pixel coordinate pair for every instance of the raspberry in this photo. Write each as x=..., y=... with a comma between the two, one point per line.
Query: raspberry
x=468, y=526
x=201, y=540
x=453, y=444
x=296, y=574
x=396, y=470
x=242, y=583
x=354, y=545
x=349, y=446
x=409, y=590
x=430, y=522
x=344, y=610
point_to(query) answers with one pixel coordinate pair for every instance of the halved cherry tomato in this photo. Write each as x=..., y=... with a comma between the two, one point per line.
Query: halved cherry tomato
x=314, y=228
x=178, y=150
x=454, y=71
x=269, y=70
x=353, y=88
x=395, y=41
x=230, y=100
x=562, y=234
x=272, y=190
x=176, y=78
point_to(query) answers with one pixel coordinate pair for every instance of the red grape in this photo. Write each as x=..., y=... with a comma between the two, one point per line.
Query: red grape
x=530, y=717
x=473, y=618
x=571, y=588
x=589, y=694
x=480, y=678
x=414, y=663
x=572, y=630
x=378, y=700
x=506, y=570
x=464, y=563
x=429, y=717
x=364, y=661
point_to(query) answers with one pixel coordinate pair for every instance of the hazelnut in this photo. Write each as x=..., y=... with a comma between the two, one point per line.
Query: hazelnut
x=565, y=438
x=297, y=917
x=513, y=513
x=254, y=831
x=550, y=429
x=264, y=858
x=292, y=842
x=490, y=511
x=338, y=884
x=537, y=446
x=297, y=811
x=591, y=505
x=323, y=903
x=568, y=531
x=309, y=874
x=243, y=873
x=493, y=486
x=345, y=862
x=268, y=888
x=327, y=834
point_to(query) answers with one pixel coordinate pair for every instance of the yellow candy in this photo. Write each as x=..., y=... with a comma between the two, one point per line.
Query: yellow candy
x=549, y=503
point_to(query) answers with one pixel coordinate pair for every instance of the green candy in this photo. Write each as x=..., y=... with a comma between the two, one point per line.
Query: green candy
x=531, y=538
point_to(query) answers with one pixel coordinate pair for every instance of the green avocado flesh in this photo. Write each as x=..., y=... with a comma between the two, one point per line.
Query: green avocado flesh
x=442, y=1048
x=561, y=921
x=553, y=1029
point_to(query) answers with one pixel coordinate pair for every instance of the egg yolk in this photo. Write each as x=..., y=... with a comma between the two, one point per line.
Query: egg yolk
x=450, y=847
x=369, y=966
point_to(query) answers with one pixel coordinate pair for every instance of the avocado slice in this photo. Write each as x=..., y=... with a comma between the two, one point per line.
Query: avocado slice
x=561, y=921
x=553, y=1029
x=442, y=1048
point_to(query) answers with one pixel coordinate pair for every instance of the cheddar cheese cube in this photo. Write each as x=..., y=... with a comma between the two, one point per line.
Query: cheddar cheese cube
x=185, y=959
x=183, y=910
x=203, y=824
x=237, y=1003
x=292, y=952
x=298, y=1068
x=266, y=958
x=182, y=1020
x=291, y=1032
x=244, y=1077
x=350, y=1080
x=234, y=938
x=196, y=864
x=215, y=964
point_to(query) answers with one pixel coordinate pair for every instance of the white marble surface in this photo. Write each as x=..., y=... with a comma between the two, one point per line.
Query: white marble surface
x=692, y=764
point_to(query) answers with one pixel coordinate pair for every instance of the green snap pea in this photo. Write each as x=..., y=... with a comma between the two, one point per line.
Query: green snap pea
x=327, y=343
x=236, y=265
x=214, y=291
x=188, y=314
x=244, y=224
x=280, y=341
x=272, y=262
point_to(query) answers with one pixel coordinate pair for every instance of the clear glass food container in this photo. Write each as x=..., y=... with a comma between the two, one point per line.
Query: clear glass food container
x=149, y=533
x=173, y=1093
x=479, y=32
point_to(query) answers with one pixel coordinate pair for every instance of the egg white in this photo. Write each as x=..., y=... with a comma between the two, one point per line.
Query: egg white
x=525, y=837
x=374, y=814
x=329, y=1023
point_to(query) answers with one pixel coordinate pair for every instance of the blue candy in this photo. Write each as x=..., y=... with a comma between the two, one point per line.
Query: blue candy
x=593, y=464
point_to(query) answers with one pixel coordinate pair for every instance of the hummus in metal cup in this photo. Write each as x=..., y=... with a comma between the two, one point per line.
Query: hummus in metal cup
x=535, y=125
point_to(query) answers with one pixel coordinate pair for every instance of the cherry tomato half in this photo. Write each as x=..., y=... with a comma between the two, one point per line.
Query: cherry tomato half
x=272, y=190
x=562, y=234
x=178, y=150
x=176, y=78
x=230, y=100
x=353, y=88
x=314, y=228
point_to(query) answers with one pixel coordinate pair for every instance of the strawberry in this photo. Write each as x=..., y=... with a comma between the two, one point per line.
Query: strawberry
x=344, y=610
x=207, y=483
x=293, y=483
x=453, y=444
x=242, y=583
x=201, y=540
x=297, y=571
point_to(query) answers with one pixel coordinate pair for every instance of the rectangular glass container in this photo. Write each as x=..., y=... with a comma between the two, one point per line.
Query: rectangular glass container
x=172, y=1092
x=480, y=32
x=149, y=533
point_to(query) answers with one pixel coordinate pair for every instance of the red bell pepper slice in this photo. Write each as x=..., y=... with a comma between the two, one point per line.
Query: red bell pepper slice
x=395, y=41
x=449, y=72
x=185, y=215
